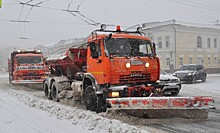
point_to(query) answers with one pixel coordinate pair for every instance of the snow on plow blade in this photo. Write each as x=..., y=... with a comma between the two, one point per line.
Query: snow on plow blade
x=163, y=107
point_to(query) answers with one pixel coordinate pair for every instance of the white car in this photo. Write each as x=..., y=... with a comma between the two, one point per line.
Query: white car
x=170, y=84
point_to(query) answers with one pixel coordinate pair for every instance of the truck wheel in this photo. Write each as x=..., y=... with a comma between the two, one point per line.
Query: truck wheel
x=90, y=99
x=10, y=79
x=46, y=91
x=101, y=105
x=54, y=92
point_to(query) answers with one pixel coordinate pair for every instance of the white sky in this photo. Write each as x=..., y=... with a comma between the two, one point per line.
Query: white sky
x=51, y=25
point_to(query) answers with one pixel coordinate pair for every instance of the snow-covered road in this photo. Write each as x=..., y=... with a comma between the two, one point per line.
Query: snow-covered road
x=24, y=110
x=19, y=118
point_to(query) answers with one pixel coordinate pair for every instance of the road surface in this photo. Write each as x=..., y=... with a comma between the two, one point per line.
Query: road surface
x=26, y=110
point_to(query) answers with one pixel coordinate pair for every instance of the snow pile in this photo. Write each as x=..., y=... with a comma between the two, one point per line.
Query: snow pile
x=4, y=75
x=87, y=119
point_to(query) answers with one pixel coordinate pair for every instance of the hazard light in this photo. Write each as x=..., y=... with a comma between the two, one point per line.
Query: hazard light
x=118, y=28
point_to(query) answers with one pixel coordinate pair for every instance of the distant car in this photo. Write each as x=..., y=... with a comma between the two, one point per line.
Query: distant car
x=191, y=73
x=170, y=84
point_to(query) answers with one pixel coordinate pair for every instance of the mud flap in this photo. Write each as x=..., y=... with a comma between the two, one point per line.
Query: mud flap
x=162, y=107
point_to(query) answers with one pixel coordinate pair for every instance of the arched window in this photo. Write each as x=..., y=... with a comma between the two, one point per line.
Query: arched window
x=199, y=42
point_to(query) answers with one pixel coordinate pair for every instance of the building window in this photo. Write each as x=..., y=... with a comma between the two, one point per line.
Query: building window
x=190, y=60
x=181, y=61
x=215, y=60
x=209, y=43
x=167, y=41
x=168, y=61
x=160, y=42
x=218, y=61
x=199, y=42
x=215, y=43
x=200, y=61
x=209, y=60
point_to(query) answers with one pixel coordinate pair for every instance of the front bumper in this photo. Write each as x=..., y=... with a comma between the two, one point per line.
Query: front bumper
x=171, y=87
x=186, y=78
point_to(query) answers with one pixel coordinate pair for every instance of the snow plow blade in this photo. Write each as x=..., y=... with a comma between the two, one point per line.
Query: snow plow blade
x=163, y=107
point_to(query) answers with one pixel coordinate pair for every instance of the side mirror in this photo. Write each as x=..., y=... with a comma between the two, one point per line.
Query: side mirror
x=92, y=47
x=108, y=37
x=154, y=48
x=94, y=53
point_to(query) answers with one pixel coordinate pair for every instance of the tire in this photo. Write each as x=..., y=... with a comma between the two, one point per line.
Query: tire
x=102, y=107
x=204, y=78
x=90, y=99
x=54, y=92
x=174, y=93
x=94, y=102
x=193, y=80
x=10, y=79
x=46, y=91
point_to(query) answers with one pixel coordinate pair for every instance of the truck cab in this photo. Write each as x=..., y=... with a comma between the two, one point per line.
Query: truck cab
x=27, y=67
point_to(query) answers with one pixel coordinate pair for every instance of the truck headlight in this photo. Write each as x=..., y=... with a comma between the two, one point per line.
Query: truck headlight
x=147, y=64
x=128, y=65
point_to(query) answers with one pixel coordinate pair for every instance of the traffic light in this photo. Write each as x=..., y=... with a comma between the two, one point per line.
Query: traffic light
x=0, y=3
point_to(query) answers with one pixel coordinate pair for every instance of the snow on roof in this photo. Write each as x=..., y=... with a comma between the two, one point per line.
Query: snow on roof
x=177, y=22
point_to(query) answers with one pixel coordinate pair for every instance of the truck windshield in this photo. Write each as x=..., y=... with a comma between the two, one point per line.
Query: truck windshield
x=30, y=60
x=128, y=47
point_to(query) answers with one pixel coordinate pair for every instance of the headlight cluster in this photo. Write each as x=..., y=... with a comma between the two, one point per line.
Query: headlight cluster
x=189, y=74
x=147, y=64
x=128, y=65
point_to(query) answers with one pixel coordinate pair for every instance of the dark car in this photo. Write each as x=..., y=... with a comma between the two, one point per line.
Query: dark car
x=191, y=73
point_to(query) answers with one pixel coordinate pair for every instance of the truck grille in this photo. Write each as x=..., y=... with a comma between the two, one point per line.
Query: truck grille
x=134, y=78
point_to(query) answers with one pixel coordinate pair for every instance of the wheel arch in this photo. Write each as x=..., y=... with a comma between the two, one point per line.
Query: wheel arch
x=89, y=79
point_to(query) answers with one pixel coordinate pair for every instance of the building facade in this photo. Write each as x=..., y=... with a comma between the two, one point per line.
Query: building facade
x=180, y=43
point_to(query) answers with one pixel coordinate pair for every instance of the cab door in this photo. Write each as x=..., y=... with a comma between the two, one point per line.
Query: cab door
x=96, y=62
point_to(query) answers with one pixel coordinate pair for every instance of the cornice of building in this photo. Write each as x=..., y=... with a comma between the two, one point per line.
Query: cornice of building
x=150, y=25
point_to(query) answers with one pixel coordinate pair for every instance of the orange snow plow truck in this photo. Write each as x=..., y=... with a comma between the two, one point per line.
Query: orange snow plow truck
x=26, y=67
x=117, y=70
